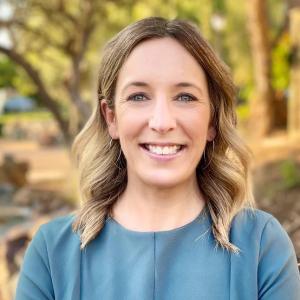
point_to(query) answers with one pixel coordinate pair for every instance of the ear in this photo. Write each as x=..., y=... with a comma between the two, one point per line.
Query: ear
x=110, y=119
x=211, y=134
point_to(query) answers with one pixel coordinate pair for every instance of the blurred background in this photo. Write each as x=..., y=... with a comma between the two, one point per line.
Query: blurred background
x=49, y=56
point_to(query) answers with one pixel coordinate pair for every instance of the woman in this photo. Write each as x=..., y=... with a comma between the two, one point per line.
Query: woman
x=168, y=210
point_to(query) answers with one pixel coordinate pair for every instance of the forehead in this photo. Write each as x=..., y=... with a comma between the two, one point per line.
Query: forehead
x=160, y=60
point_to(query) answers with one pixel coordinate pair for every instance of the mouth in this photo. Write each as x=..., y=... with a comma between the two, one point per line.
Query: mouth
x=168, y=149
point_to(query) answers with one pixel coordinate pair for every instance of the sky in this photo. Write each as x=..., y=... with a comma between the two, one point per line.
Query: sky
x=5, y=14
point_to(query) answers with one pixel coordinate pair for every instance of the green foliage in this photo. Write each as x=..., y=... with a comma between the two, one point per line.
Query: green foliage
x=243, y=112
x=237, y=45
x=290, y=173
x=25, y=116
x=280, y=44
x=219, y=5
x=53, y=36
x=23, y=84
x=277, y=10
x=281, y=64
x=11, y=75
x=7, y=72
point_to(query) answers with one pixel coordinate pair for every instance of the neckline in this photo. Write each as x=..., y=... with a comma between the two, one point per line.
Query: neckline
x=202, y=217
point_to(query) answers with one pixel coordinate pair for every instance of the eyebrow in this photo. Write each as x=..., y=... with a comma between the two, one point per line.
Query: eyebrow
x=144, y=84
x=135, y=83
x=189, y=84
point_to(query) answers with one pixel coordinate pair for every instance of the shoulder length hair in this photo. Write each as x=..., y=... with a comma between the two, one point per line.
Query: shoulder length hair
x=223, y=172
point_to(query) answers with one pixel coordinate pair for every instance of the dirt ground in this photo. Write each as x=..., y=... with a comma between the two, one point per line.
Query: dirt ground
x=276, y=160
x=50, y=168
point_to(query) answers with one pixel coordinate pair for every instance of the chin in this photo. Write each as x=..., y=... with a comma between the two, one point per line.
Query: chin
x=164, y=181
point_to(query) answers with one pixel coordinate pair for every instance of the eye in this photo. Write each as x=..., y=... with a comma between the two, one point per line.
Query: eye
x=137, y=97
x=186, y=97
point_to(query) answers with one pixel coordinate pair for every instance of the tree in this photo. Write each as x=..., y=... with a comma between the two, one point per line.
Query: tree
x=262, y=106
x=294, y=101
x=56, y=43
x=55, y=37
x=270, y=41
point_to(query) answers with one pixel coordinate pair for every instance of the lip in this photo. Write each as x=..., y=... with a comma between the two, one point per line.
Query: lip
x=165, y=157
x=162, y=144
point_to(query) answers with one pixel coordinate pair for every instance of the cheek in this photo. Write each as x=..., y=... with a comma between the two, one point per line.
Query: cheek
x=129, y=127
x=195, y=125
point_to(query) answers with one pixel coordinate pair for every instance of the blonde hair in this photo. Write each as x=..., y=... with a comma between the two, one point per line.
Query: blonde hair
x=223, y=172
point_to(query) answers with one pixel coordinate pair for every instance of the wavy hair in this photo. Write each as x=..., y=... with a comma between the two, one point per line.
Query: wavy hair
x=223, y=172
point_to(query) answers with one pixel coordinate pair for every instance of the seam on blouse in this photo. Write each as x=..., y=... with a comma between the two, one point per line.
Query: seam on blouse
x=80, y=273
x=48, y=262
x=262, y=233
x=154, y=265
x=230, y=265
x=259, y=254
x=230, y=272
x=41, y=291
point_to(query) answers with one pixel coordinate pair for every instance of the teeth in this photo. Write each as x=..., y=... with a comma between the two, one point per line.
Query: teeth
x=163, y=150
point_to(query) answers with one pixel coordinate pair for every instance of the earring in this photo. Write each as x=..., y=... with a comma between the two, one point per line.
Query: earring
x=110, y=143
x=213, y=146
x=117, y=162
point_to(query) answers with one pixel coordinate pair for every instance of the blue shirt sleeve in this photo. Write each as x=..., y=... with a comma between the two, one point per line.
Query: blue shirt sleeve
x=35, y=277
x=278, y=275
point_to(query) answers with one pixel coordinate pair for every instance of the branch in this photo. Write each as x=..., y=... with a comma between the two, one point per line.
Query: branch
x=40, y=34
x=37, y=32
x=49, y=102
x=55, y=13
x=74, y=83
x=6, y=24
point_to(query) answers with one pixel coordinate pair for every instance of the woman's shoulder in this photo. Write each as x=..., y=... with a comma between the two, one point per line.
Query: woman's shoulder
x=53, y=245
x=59, y=223
x=266, y=249
x=255, y=228
x=252, y=219
x=57, y=232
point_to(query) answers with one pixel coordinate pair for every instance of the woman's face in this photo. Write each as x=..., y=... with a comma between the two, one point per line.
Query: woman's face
x=162, y=113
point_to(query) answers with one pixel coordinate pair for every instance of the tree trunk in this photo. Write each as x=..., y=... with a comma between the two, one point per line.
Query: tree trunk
x=262, y=105
x=294, y=99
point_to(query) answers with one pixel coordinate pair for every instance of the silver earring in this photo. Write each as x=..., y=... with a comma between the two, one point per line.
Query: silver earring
x=213, y=144
x=120, y=152
x=117, y=162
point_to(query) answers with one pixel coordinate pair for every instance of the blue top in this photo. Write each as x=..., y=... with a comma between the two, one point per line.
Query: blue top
x=177, y=264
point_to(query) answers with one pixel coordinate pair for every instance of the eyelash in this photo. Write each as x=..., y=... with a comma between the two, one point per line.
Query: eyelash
x=191, y=97
x=131, y=97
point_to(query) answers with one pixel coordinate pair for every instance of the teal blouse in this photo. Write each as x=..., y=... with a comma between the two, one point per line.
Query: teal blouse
x=178, y=264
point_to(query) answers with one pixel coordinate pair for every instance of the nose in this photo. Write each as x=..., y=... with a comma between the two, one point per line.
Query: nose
x=162, y=117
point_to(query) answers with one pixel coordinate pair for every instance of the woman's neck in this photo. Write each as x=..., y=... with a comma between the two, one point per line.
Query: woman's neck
x=144, y=208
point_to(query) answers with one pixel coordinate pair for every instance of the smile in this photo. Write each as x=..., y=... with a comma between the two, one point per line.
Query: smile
x=162, y=150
